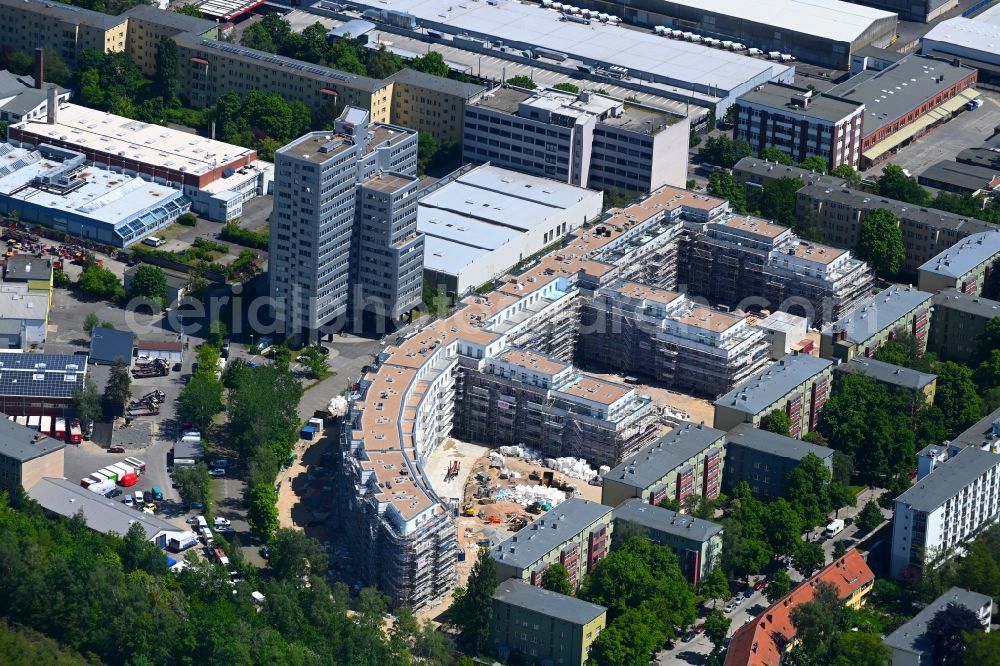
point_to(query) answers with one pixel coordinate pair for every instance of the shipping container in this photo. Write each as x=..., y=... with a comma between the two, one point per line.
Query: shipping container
x=87, y=482
x=110, y=474
x=98, y=477
x=138, y=465
x=22, y=420
x=308, y=432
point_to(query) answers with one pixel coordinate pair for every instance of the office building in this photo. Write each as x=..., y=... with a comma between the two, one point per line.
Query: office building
x=542, y=625
x=920, y=386
x=798, y=385
x=743, y=261
x=958, y=325
x=344, y=231
x=763, y=459
x=585, y=139
x=970, y=266
x=838, y=213
x=55, y=188
x=22, y=97
x=971, y=39
x=801, y=123
x=923, y=11
x=696, y=542
x=894, y=311
x=912, y=646
x=764, y=640
x=482, y=222
x=27, y=456
x=40, y=384
x=638, y=330
x=686, y=461
x=944, y=509
x=575, y=534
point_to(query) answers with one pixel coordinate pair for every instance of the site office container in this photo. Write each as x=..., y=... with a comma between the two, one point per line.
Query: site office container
x=138, y=465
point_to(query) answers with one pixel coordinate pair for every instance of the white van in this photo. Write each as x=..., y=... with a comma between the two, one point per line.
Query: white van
x=153, y=241
x=139, y=501
x=202, y=523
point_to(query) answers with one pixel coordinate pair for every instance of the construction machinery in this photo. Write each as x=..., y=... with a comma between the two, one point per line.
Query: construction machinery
x=157, y=367
x=147, y=405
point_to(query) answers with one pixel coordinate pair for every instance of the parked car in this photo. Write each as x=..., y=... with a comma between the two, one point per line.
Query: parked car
x=265, y=552
x=116, y=449
x=128, y=501
x=688, y=637
x=700, y=629
x=197, y=505
x=157, y=493
x=222, y=521
x=759, y=585
x=221, y=463
x=111, y=494
x=216, y=472
x=730, y=606
x=224, y=528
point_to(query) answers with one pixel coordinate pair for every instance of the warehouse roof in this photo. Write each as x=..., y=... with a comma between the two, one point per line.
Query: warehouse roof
x=778, y=96
x=667, y=521
x=884, y=310
x=772, y=383
x=551, y=604
x=888, y=373
x=552, y=529
x=108, y=345
x=672, y=450
x=977, y=306
x=912, y=637
x=23, y=443
x=41, y=375
x=965, y=256
x=967, y=33
x=948, y=479
x=103, y=515
x=24, y=267
x=964, y=176
x=23, y=306
x=747, y=436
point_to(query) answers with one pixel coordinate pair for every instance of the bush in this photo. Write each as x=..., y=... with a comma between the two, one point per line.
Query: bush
x=234, y=233
x=60, y=279
x=188, y=219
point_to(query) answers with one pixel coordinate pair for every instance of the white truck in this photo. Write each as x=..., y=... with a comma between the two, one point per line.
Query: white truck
x=834, y=528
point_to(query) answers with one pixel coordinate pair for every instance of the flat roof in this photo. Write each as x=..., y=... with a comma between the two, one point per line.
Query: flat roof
x=512, y=184
x=965, y=176
x=666, y=521
x=887, y=373
x=766, y=386
x=159, y=345
x=188, y=450
x=171, y=19
x=982, y=432
x=948, y=479
x=23, y=443
x=150, y=144
x=778, y=96
x=773, y=170
x=912, y=636
x=900, y=88
x=757, y=226
x=595, y=390
x=23, y=306
x=41, y=375
x=644, y=292
x=526, y=25
x=975, y=34
x=109, y=344
x=551, y=604
x=886, y=308
x=530, y=360
x=964, y=256
x=441, y=84
x=709, y=319
x=746, y=436
x=978, y=306
x=19, y=268
x=653, y=462
x=449, y=257
x=103, y=515
x=454, y=229
x=551, y=529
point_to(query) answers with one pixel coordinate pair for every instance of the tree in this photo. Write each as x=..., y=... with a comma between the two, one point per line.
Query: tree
x=427, y=149
x=847, y=172
x=869, y=518
x=262, y=514
x=982, y=649
x=294, y=555
x=817, y=624
x=778, y=586
x=99, y=283
x=715, y=585
x=188, y=10
x=814, y=163
x=628, y=641
x=87, y=402
x=149, y=282
x=895, y=184
x=945, y=631
x=201, y=399
x=856, y=648
x=808, y=558
x=316, y=361
x=521, y=81
x=987, y=374
x=722, y=151
x=555, y=578
x=956, y=396
x=716, y=628
x=91, y=92
x=880, y=242
x=474, y=609
x=807, y=488
x=256, y=36
x=782, y=526
x=777, y=155
x=775, y=200
x=839, y=549
x=138, y=553
x=90, y=322
x=989, y=340
x=119, y=387
x=722, y=184
x=777, y=421
x=166, y=80
x=566, y=86
x=430, y=63
x=192, y=482
x=382, y=63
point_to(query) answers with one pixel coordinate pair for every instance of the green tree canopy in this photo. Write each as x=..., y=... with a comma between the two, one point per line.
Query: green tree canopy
x=807, y=488
x=87, y=402
x=119, y=387
x=815, y=163
x=100, y=283
x=716, y=628
x=166, y=81
x=722, y=184
x=192, y=482
x=149, y=282
x=262, y=513
x=555, y=578
x=778, y=586
x=566, y=86
x=808, y=558
x=880, y=242
x=724, y=152
x=817, y=624
x=521, y=81
x=294, y=556
x=869, y=517
x=773, y=154
x=956, y=396
x=775, y=200
x=895, y=184
x=777, y=421
x=201, y=399
x=847, y=172
x=473, y=610
x=947, y=630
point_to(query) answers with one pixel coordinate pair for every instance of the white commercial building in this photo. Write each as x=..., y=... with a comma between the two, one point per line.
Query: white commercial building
x=24, y=316
x=975, y=40
x=945, y=508
x=485, y=221
x=584, y=139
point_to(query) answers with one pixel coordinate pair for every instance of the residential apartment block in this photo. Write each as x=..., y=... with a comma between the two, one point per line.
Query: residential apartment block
x=798, y=385
x=686, y=461
x=920, y=385
x=66, y=29
x=970, y=266
x=344, y=233
x=744, y=261
x=696, y=542
x=912, y=646
x=432, y=104
x=943, y=509
x=147, y=25
x=959, y=323
x=763, y=459
x=638, y=330
x=542, y=625
x=575, y=534
x=754, y=172
x=584, y=139
x=894, y=311
x=801, y=123
x=766, y=638
x=27, y=456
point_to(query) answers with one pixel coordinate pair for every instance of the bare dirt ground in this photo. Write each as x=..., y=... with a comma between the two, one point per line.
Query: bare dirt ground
x=288, y=479
x=436, y=466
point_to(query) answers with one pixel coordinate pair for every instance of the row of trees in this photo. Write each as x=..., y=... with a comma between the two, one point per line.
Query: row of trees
x=895, y=184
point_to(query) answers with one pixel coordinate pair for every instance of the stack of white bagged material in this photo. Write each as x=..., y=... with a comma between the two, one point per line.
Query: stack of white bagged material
x=527, y=495
x=576, y=468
